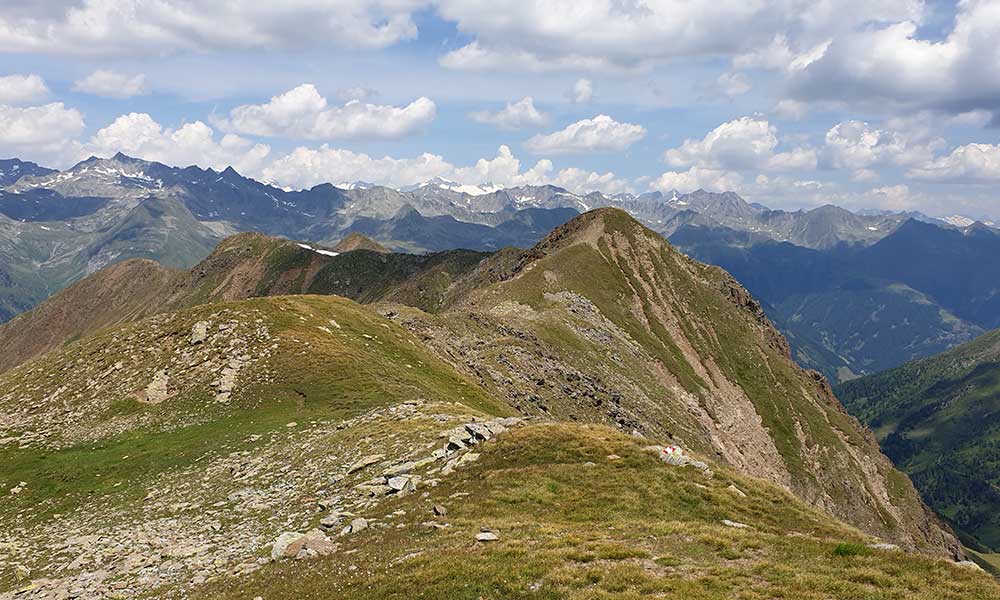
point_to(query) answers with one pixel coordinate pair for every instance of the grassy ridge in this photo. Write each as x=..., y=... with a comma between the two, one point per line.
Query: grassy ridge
x=585, y=512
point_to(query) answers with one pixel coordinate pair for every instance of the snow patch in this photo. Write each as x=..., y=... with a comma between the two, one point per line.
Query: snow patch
x=319, y=250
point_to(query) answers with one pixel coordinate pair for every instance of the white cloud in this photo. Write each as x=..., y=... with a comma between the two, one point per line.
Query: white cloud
x=137, y=134
x=971, y=163
x=515, y=115
x=582, y=92
x=695, y=178
x=357, y=92
x=631, y=34
x=40, y=131
x=306, y=167
x=581, y=180
x=892, y=197
x=891, y=65
x=114, y=27
x=790, y=109
x=600, y=134
x=304, y=114
x=17, y=90
x=747, y=143
x=778, y=55
x=111, y=84
x=857, y=146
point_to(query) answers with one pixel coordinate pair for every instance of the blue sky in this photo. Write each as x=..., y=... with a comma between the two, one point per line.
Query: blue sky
x=875, y=104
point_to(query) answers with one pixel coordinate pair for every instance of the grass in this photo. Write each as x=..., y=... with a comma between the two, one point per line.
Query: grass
x=314, y=374
x=627, y=528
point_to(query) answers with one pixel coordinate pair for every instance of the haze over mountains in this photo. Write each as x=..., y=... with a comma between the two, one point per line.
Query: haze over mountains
x=56, y=227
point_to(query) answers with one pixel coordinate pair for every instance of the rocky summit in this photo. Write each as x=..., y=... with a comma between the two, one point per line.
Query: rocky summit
x=599, y=416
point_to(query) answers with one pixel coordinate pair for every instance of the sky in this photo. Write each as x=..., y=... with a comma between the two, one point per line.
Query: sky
x=880, y=104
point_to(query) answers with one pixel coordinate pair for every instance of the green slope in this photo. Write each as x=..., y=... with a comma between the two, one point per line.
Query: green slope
x=938, y=419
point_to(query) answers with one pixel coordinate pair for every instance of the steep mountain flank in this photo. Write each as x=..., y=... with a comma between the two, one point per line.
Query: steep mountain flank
x=938, y=419
x=850, y=311
x=243, y=266
x=604, y=322
x=305, y=447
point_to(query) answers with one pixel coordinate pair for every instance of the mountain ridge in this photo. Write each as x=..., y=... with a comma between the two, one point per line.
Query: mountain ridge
x=635, y=353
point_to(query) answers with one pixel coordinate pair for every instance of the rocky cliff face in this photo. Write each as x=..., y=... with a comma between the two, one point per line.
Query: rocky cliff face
x=604, y=322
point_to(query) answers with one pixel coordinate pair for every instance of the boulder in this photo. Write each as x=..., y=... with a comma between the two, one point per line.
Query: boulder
x=365, y=461
x=302, y=545
x=157, y=391
x=280, y=548
x=403, y=484
x=356, y=525
x=199, y=332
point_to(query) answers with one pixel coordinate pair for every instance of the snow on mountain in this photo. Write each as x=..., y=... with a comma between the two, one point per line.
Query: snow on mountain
x=454, y=186
x=958, y=220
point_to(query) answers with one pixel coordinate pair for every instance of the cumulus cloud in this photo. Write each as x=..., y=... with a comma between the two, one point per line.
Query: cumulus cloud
x=600, y=134
x=858, y=146
x=305, y=114
x=138, y=134
x=582, y=92
x=113, y=27
x=38, y=130
x=892, y=65
x=695, y=178
x=517, y=115
x=305, y=167
x=615, y=34
x=17, y=90
x=747, y=143
x=111, y=84
x=971, y=163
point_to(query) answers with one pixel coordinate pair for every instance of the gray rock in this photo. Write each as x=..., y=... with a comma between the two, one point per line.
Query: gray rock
x=479, y=430
x=735, y=524
x=330, y=521
x=281, y=546
x=365, y=461
x=157, y=391
x=357, y=525
x=737, y=491
x=883, y=546
x=486, y=536
x=403, y=484
x=199, y=332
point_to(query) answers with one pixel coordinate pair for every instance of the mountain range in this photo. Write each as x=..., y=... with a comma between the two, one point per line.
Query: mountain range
x=597, y=414
x=59, y=226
